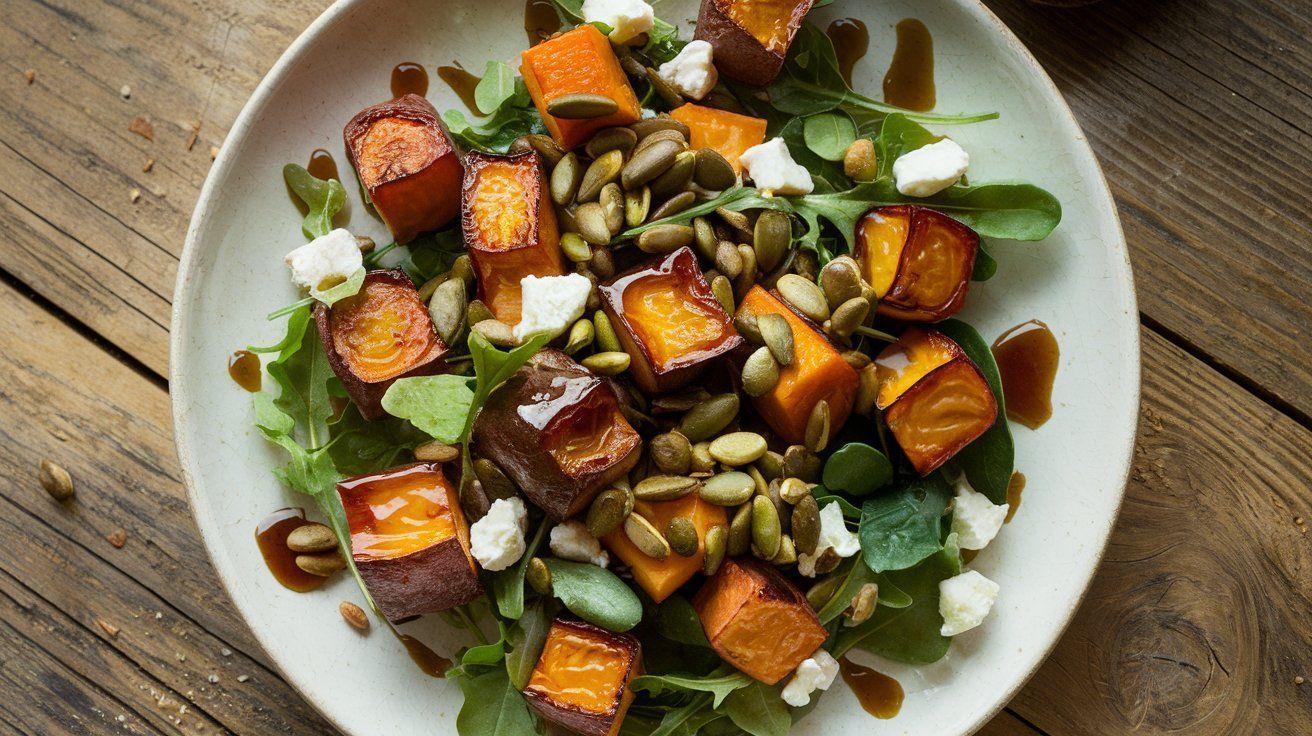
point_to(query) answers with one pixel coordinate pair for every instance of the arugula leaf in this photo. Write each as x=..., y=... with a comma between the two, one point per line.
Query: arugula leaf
x=360, y=447
x=829, y=134
x=719, y=683
x=758, y=709
x=526, y=637
x=688, y=719
x=903, y=527
x=595, y=594
x=678, y=621
x=438, y=405
x=493, y=706
x=985, y=264
x=840, y=209
x=570, y=11
x=495, y=134
x=485, y=654
x=496, y=86
x=736, y=199
x=858, y=575
x=663, y=42
x=989, y=461
x=824, y=497
x=508, y=585
x=349, y=287
x=1011, y=210
x=324, y=197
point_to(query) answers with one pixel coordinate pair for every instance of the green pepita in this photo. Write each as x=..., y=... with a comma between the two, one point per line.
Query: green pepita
x=860, y=162
x=855, y=358
x=740, y=531
x=800, y=462
x=575, y=248
x=496, y=332
x=804, y=296
x=747, y=278
x=671, y=452
x=664, y=487
x=766, y=532
x=722, y=288
x=792, y=490
x=806, y=524
x=602, y=171
x=713, y=171
x=736, y=220
x=581, y=334
x=664, y=239
x=591, y=219
x=427, y=288
x=787, y=554
x=760, y=373
x=820, y=593
x=849, y=315
x=636, y=206
x=682, y=536
x=546, y=147
x=771, y=465
x=495, y=483
x=841, y=280
x=777, y=335
x=611, y=200
x=649, y=162
x=644, y=128
x=607, y=340
x=676, y=178
x=863, y=605
x=611, y=363
x=727, y=259
x=707, y=419
x=806, y=264
x=827, y=562
x=817, y=427
x=581, y=106
x=704, y=237
x=538, y=576
x=565, y=179
x=646, y=537
x=434, y=451
x=728, y=489
x=747, y=325
x=669, y=95
x=771, y=237
x=607, y=512
x=477, y=312
x=612, y=139
x=312, y=538
x=673, y=136
x=447, y=309
x=702, y=462
x=674, y=205
x=716, y=544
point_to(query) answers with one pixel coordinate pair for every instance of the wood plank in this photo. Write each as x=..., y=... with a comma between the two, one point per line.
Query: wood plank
x=1007, y=724
x=1198, y=621
x=1201, y=120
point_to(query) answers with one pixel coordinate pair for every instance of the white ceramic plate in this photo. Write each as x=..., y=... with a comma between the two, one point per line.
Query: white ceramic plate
x=1078, y=281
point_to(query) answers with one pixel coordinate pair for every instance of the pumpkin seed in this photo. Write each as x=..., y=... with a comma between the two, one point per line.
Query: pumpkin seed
x=495, y=483
x=673, y=136
x=702, y=462
x=602, y=171
x=792, y=490
x=648, y=163
x=860, y=162
x=817, y=427
x=787, y=554
x=607, y=340
x=713, y=171
x=777, y=335
x=436, y=452
x=674, y=205
x=463, y=268
x=581, y=106
x=312, y=538
x=707, y=419
x=760, y=373
x=850, y=315
x=682, y=536
x=366, y=244
x=727, y=259
x=607, y=512
x=538, y=576
x=677, y=403
x=716, y=544
x=496, y=332
x=820, y=593
x=736, y=220
x=57, y=482
x=565, y=179
x=592, y=223
x=580, y=336
x=728, y=489
x=766, y=532
x=664, y=239
x=867, y=390
x=676, y=178
x=575, y=247
x=426, y=289
x=631, y=65
x=804, y=296
x=806, y=264
x=723, y=291
x=747, y=325
x=669, y=95
x=610, y=363
x=323, y=565
x=546, y=148
x=841, y=280
x=671, y=452
x=477, y=312
x=806, y=523
x=447, y=310
x=645, y=537
x=612, y=139
x=612, y=205
x=747, y=278
x=827, y=562
x=664, y=487
x=855, y=358
x=644, y=128
x=771, y=465
x=740, y=531
x=353, y=615
x=800, y=462
x=704, y=237
x=636, y=206
x=863, y=605
x=772, y=493
x=762, y=485
x=771, y=237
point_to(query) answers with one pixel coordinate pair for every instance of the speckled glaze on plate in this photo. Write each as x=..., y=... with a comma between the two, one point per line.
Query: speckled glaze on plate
x=1078, y=282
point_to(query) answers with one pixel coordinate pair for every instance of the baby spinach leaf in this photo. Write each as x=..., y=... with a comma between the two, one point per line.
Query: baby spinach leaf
x=493, y=706
x=840, y=209
x=989, y=461
x=985, y=265
x=758, y=709
x=1011, y=210
x=678, y=621
x=324, y=197
x=485, y=654
x=829, y=134
x=826, y=176
x=899, y=135
x=526, y=637
x=359, y=446
x=508, y=585
x=438, y=405
x=858, y=469
x=719, y=684
x=595, y=595
x=824, y=497
x=496, y=86
x=902, y=527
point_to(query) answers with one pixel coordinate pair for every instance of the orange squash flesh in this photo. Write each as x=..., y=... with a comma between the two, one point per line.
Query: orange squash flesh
x=509, y=227
x=581, y=680
x=770, y=22
x=409, y=539
x=668, y=319
x=750, y=38
x=727, y=133
x=818, y=373
x=757, y=620
x=935, y=399
x=660, y=578
x=406, y=164
x=578, y=61
x=917, y=260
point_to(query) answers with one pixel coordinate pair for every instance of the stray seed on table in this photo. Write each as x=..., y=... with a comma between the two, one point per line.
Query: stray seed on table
x=118, y=538
x=110, y=629
x=354, y=615
x=57, y=482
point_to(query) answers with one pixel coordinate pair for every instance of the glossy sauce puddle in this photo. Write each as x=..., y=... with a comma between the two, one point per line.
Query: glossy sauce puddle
x=461, y=82
x=244, y=368
x=409, y=78
x=851, y=42
x=1027, y=357
x=880, y=695
x=909, y=82
x=271, y=536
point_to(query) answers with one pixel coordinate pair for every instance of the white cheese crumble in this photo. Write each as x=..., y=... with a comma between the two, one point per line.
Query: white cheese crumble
x=572, y=541
x=816, y=673
x=834, y=535
x=550, y=304
x=774, y=171
x=626, y=18
x=497, y=539
x=930, y=169
x=692, y=73
x=964, y=601
x=326, y=261
x=975, y=519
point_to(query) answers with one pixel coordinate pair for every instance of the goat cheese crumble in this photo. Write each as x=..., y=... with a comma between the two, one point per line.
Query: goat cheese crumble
x=964, y=601
x=497, y=539
x=816, y=673
x=572, y=541
x=692, y=73
x=930, y=169
x=627, y=19
x=326, y=261
x=773, y=170
x=975, y=519
x=550, y=304
x=834, y=535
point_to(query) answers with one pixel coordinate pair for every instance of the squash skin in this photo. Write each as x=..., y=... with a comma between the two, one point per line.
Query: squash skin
x=739, y=54
x=558, y=67
x=925, y=278
x=627, y=665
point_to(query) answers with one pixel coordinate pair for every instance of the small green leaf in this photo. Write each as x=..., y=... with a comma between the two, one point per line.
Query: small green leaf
x=493, y=706
x=858, y=469
x=508, y=585
x=720, y=684
x=438, y=405
x=824, y=497
x=324, y=197
x=526, y=637
x=349, y=287
x=678, y=621
x=985, y=265
x=989, y=461
x=902, y=527
x=595, y=595
x=496, y=86
x=758, y=709
x=829, y=134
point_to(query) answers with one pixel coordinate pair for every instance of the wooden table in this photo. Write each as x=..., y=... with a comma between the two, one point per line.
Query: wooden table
x=1199, y=622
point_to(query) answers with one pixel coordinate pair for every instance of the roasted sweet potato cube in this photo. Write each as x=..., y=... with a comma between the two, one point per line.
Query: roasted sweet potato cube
x=935, y=399
x=581, y=680
x=377, y=336
x=409, y=540
x=405, y=160
x=917, y=260
x=817, y=373
x=578, y=61
x=756, y=620
x=556, y=429
x=668, y=320
x=728, y=133
x=751, y=37
x=660, y=578
x=510, y=227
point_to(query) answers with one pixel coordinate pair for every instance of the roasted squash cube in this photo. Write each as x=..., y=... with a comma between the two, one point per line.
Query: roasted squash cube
x=751, y=37
x=756, y=620
x=556, y=429
x=668, y=320
x=381, y=334
x=917, y=260
x=578, y=61
x=509, y=226
x=660, y=578
x=817, y=373
x=581, y=680
x=727, y=133
x=407, y=165
x=409, y=540
x=935, y=399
